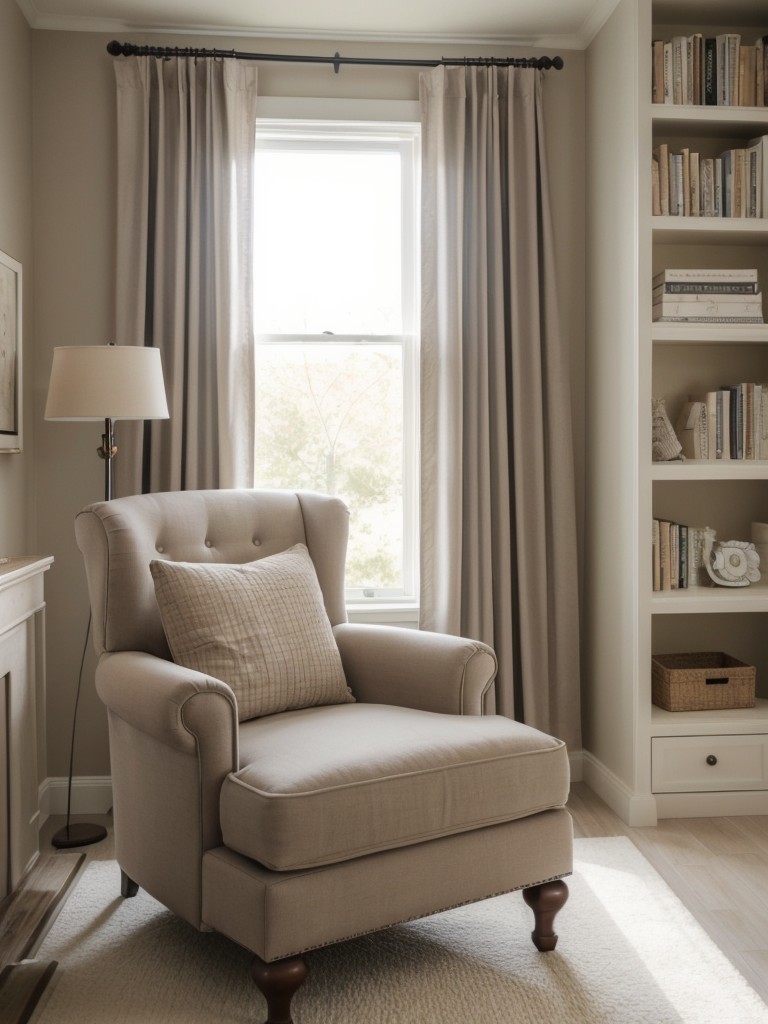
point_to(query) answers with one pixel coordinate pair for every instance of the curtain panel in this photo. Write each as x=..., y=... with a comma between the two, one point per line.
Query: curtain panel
x=498, y=536
x=185, y=156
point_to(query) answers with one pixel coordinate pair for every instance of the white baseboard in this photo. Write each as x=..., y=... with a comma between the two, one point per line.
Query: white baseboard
x=631, y=807
x=90, y=795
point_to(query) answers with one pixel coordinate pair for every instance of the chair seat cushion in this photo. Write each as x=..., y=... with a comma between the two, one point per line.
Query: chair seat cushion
x=328, y=784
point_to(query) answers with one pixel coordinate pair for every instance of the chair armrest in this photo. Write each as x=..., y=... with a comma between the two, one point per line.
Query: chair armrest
x=416, y=668
x=178, y=707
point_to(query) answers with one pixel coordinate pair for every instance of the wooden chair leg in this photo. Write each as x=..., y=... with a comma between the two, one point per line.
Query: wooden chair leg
x=545, y=901
x=127, y=885
x=279, y=982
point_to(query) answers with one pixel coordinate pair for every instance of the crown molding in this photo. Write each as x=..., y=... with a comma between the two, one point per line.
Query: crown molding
x=579, y=40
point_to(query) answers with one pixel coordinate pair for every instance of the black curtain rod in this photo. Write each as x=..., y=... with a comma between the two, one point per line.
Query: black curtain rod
x=133, y=50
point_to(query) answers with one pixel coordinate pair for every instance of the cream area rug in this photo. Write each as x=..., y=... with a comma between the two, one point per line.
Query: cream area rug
x=629, y=953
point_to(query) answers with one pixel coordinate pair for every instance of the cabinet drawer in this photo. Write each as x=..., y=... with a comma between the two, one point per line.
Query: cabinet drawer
x=679, y=764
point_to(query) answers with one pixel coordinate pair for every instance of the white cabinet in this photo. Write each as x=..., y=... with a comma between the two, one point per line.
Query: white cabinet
x=646, y=763
x=22, y=693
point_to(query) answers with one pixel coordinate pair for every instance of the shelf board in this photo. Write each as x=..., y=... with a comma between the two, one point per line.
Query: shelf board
x=712, y=469
x=699, y=723
x=710, y=121
x=710, y=230
x=711, y=600
x=710, y=334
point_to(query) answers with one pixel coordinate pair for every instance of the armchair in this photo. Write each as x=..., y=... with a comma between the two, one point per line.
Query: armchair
x=305, y=827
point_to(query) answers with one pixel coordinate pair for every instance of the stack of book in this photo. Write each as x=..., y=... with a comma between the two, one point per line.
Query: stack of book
x=729, y=423
x=714, y=71
x=707, y=296
x=688, y=184
x=678, y=555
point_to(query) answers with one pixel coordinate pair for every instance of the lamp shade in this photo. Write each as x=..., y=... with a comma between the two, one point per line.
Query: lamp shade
x=98, y=382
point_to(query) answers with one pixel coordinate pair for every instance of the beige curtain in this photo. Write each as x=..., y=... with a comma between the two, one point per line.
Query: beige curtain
x=498, y=531
x=185, y=152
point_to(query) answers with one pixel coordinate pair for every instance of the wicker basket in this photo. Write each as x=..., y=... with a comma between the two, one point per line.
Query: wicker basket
x=701, y=682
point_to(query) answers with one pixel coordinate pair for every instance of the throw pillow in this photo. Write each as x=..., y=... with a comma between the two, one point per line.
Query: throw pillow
x=261, y=627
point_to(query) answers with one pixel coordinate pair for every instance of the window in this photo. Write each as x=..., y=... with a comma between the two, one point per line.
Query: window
x=335, y=310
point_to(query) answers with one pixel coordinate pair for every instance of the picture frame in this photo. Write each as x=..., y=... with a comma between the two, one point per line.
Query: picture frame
x=10, y=355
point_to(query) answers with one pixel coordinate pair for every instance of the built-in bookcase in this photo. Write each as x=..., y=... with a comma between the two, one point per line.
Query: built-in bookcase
x=644, y=761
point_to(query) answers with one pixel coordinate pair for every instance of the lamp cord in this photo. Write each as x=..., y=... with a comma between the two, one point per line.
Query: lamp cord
x=74, y=720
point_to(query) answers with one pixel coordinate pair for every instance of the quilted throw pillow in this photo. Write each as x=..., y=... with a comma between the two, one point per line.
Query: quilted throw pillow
x=261, y=627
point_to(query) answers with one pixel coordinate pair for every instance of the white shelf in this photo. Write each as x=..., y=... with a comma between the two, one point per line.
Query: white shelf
x=710, y=723
x=710, y=334
x=710, y=230
x=718, y=469
x=711, y=600
x=708, y=121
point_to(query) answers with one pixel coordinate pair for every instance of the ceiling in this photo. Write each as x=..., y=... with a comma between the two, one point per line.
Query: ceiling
x=566, y=23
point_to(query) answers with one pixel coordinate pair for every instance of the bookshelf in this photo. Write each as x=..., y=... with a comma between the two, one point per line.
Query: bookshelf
x=629, y=743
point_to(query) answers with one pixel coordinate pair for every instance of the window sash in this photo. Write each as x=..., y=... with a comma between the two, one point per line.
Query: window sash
x=403, y=138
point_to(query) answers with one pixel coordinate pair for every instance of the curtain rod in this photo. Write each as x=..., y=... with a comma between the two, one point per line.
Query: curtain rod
x=133, y=50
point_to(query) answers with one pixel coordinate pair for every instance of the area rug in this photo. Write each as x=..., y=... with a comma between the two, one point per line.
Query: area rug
x=629, y=953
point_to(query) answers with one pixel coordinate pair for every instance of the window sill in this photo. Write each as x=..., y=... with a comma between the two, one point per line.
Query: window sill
x=405, y=614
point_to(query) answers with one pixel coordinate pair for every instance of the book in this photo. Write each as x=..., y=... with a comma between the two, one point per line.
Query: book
x=708, y=306
x=706, y=274
x=747, y=76
x=706, y=288
x=710, y=72
x=760, y=145
x=655, y=563
x=708, y=320
x=661, y=157
x=721, y=294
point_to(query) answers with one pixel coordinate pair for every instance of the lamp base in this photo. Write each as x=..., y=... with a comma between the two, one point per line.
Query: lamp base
x=81, y=833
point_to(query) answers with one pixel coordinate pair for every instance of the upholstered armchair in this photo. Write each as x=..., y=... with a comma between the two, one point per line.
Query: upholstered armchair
x=285, y=777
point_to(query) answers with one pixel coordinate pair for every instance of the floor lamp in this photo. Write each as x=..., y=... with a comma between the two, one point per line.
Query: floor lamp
x=107, y=383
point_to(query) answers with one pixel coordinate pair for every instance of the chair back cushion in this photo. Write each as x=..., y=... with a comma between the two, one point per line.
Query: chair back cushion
x=120, y=538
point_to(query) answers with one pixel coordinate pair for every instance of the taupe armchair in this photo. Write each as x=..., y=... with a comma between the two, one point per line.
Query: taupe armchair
x=298, y=828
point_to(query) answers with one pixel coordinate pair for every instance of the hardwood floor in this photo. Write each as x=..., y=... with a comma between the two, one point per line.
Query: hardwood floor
x=718, y=867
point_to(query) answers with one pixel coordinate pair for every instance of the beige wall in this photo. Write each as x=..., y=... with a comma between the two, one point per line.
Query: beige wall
x=74, y=157
x=16, y=503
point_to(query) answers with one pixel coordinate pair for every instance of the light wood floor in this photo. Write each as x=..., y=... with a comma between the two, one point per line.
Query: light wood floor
x=718, y=867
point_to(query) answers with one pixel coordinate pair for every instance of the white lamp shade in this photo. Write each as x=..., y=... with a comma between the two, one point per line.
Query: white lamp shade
x=98, y=382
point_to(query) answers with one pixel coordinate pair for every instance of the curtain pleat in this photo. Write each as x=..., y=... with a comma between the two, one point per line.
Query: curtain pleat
x=498, y=495
x=186, y=130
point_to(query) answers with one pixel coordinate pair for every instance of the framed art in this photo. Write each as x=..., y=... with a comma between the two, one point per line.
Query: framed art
x=10, y=354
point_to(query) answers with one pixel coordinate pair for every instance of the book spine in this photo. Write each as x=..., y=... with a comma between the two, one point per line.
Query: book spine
x=708, y=320
x=722, y=276
x=706, y=288
x=710, y=72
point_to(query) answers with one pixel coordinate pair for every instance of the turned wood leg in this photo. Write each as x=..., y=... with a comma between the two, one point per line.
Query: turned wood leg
x=545, y=901
x=279, y=982
x=127, y=885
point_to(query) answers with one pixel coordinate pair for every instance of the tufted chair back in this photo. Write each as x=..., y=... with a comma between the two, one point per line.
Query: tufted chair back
x=119, y=538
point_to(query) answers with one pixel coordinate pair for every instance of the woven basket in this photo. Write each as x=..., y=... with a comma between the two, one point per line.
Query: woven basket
x=701, y=682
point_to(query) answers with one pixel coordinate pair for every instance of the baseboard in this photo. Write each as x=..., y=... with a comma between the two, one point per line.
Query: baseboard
x=90, y=795
x=632, y=808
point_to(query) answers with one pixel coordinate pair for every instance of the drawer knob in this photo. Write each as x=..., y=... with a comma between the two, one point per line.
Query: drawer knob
x=711, y=759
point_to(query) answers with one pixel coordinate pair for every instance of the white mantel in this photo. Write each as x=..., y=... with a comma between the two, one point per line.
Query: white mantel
x=22, y=703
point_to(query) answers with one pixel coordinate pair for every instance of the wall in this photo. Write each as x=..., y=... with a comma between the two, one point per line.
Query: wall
x=16, y=502
x=74, y=153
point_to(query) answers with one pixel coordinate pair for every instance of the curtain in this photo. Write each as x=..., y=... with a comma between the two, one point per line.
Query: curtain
x=185, y=157
x=498, y=537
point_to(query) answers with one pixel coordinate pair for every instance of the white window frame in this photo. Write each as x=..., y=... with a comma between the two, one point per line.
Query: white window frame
x=405, y=138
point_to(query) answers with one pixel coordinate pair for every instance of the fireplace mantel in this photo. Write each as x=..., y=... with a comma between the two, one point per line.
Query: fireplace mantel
x=22, y=719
